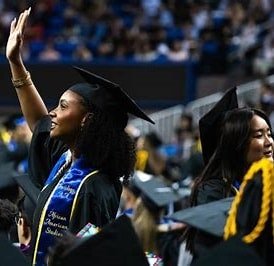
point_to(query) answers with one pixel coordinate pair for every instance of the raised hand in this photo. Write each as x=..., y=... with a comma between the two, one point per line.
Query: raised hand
x=32, y=105
x=15, y=41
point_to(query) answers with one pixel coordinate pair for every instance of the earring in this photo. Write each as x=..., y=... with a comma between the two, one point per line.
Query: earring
x=82, y=126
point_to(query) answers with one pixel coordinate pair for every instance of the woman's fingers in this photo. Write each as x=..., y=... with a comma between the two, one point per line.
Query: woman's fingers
x=23, y=22
x=12, y=25
x=20, y=26
x=25, y=19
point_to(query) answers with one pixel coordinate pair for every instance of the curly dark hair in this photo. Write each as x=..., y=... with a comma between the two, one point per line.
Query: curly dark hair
x=106, y=146
x=8, y=211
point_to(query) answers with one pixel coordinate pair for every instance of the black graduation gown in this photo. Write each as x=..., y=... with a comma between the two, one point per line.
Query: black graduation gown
x=98, y=199
x=168, y=245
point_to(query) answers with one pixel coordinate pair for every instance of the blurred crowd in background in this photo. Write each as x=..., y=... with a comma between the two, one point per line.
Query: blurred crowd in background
x=219, y=34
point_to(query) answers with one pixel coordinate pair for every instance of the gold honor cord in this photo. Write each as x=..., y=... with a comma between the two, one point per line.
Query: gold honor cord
x=266, y=167
x=42, y=218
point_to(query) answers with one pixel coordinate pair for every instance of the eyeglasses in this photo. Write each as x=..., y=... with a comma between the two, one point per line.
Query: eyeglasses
x=17, y=217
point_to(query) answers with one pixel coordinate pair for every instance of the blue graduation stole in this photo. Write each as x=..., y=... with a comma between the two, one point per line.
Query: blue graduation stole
x=59, y=207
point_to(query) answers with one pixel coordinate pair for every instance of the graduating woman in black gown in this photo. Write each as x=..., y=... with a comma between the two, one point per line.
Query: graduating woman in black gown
x=232, y=139
x=78, y=152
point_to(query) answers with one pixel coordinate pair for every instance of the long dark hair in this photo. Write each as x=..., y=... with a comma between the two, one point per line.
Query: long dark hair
x=229, y=159
x=105, y=146
x=228, y=162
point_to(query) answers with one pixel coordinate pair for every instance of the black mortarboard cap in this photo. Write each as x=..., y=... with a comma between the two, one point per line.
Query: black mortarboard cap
x=10, y=180
x=10, y=255
x=232, y=252
x=210, y=123
x=31, y=193
x=108, y=96
x=156, y=193
x=115, y=245
x=210, y=217
x=28, y=187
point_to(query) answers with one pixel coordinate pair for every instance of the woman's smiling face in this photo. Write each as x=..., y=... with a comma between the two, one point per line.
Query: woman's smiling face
x=67, y=117
x=261, y=141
